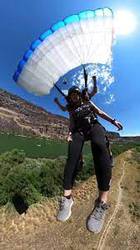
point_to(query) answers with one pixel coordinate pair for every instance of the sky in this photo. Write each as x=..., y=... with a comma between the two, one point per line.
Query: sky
x=21, y=22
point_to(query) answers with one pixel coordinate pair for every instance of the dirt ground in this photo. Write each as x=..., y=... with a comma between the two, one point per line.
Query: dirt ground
x=38, y=229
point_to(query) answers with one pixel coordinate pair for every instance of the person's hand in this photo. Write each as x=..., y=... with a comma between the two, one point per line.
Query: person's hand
x=94, y=78
x=117, y=124
x=69, y=138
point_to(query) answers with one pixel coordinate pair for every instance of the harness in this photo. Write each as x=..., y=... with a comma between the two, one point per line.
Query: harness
x=84, y=117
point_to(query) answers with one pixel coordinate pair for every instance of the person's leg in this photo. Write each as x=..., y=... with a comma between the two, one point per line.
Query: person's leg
x=103, y=173
x=110, y=151
x=78, y=168
x=103, y=196
x=102, y=161
x=74, y=151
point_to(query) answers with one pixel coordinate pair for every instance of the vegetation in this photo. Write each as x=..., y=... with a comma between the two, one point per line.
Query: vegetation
x=134, y=209
x=42, y=147
x=32, y=179
x=35, y=147
x=120, y=148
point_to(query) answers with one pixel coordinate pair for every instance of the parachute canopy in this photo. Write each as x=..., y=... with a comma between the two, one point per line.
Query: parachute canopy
x=85, y=38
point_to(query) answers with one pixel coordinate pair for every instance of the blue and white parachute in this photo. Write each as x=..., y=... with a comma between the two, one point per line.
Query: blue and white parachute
x=85, y=38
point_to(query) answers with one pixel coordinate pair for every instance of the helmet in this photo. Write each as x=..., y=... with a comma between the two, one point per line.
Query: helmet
x=74, y=89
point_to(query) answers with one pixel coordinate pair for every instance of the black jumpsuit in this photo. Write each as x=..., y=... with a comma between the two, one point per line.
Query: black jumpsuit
x=86, y=128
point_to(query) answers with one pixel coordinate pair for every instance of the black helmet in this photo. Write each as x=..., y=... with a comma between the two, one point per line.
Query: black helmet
x=74, y=89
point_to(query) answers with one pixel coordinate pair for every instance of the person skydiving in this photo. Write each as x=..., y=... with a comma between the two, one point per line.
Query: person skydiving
x=69, y=107
x=87, y=127
x=86, y=96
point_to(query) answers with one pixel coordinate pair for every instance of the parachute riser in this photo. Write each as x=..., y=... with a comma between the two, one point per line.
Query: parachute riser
x=85, y=90
x=60, y=91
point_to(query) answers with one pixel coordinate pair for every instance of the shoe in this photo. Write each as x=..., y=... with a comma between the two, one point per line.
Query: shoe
x=65, y=209
x=96, y=219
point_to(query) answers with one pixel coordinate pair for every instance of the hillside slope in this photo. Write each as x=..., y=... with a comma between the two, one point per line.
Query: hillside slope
x=20, y=117
x=38, y=229
x=23, y=118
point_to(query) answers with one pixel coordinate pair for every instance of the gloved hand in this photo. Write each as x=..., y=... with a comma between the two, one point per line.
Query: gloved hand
x=117, y=124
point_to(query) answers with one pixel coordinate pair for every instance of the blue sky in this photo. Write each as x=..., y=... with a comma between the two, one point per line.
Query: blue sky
x=21, y=22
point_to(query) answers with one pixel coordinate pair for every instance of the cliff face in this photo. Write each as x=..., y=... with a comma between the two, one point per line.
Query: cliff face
x=23, y=118
x=113, y=136
x=130, y=139
x=20, y=117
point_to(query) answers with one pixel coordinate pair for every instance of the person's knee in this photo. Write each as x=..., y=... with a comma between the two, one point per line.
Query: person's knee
x=78, y=137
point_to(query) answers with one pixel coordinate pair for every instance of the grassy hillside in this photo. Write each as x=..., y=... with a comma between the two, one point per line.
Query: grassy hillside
x=35, y=169
x=36, y=226
x=43, y=148
x=35, y=147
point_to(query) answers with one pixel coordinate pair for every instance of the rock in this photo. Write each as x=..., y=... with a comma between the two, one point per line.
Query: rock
x=20, y=117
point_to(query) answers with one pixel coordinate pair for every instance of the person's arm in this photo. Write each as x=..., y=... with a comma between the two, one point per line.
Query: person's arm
x=106, y=117
x=95, y=90
x=63, y=108
x=85, y=78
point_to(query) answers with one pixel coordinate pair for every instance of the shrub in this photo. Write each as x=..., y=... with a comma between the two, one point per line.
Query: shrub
x=134, y=209
x=31, y=179
x=28, y=178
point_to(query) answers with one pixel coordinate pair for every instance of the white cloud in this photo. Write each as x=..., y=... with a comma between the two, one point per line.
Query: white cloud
x=104, y=79
x=110, y=99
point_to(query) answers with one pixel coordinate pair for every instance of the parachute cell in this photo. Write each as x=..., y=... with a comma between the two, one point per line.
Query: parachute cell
x=45, y=35
x=78, y=39
x=27, y=54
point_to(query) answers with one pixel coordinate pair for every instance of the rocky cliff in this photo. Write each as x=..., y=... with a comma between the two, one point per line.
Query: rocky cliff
x=23, y=118
x=20, y=117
